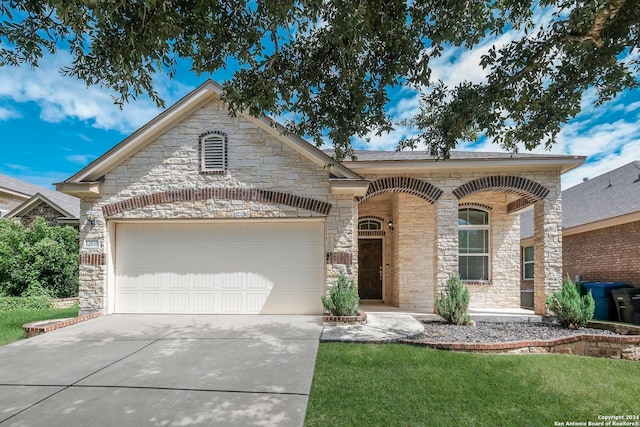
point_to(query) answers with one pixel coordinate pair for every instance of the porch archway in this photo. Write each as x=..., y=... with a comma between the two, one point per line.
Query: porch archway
x=402, y=184
x=528, y=190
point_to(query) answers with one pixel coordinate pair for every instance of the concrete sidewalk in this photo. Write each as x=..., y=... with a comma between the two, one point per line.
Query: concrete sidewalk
x=379, y=328
x=131, y=370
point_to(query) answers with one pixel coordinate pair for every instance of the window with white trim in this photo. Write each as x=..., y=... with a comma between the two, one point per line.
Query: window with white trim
x=527, y=262
x=473, y=244
x=369, y=224
x=213, y=152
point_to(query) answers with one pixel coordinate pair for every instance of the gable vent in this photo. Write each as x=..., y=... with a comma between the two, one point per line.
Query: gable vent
x=213, y=152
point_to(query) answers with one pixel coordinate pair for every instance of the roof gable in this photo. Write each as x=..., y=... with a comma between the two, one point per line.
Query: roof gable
x=207, y=92
x=68, y=206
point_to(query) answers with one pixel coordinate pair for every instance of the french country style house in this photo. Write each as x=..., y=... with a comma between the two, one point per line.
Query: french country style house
x=202, y=212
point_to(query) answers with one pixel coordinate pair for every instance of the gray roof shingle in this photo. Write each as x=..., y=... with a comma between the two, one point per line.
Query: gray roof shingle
x=609, y=195
x=66, y=202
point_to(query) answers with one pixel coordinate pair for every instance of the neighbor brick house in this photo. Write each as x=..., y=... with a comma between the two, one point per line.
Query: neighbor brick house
x=26, y=202
x=600, y=229
x=202, y=212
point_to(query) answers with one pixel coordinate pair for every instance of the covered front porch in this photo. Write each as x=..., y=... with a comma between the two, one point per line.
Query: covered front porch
x=415, y=232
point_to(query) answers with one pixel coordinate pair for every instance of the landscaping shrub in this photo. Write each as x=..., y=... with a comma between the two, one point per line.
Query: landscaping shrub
x=24, y=303
x=343, y=298
x=38, y=260
x=453, y=303
x=571, y=310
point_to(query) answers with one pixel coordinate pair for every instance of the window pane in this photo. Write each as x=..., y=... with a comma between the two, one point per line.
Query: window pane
x=473, y=267
x=528, y=253
x=473, y=241
x=477, y=217
x=528, y=271
x=369, y=224
x=463, y=217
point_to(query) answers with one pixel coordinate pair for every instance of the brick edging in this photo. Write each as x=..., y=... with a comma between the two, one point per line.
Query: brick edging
x=38, y=327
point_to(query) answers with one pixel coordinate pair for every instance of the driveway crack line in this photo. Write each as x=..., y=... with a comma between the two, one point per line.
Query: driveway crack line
x=74, y=384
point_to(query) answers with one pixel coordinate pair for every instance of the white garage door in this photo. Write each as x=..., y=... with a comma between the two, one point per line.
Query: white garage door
x=265, y=267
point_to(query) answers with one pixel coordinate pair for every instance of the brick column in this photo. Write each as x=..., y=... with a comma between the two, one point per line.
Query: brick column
x=445, y=240
x=547, y=219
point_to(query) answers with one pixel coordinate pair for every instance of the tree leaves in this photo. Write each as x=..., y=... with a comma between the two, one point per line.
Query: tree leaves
x=329, y=66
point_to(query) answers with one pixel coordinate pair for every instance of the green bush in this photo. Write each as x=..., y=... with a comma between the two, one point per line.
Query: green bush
x=343, y=298
x=571, y=310
x=22, y=303
x=38, y=258
x=453, y=303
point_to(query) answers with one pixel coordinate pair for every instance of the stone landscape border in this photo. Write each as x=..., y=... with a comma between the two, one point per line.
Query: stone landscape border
x=612, y=346
x=331, y=320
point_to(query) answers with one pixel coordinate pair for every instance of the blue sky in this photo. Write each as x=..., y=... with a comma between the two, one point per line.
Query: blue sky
x=52, y=126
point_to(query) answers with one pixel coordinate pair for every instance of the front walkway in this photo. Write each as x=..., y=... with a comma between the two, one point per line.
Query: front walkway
x=386, y=323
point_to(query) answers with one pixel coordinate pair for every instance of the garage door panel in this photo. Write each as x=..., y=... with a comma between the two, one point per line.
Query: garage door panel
x=230, y=267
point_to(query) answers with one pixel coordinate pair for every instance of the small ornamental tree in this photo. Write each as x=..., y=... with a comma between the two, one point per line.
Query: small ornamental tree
x=39, y=260
x=343, y=298
x=453, y=302
x=571, y=310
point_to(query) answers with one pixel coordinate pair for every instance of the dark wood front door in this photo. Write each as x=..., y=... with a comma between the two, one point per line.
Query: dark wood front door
x=370, y=268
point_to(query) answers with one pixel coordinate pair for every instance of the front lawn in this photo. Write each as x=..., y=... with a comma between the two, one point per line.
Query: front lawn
x=397, y=384
x=11, y=321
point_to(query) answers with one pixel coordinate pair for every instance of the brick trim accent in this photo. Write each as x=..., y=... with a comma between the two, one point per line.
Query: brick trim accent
x=403, y=184
x=528, y=190
x=93, y=259
x=345, y=258
x=475, y=205
x=194, y=194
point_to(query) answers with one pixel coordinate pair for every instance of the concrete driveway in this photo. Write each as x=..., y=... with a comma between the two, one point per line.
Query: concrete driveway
x=152, y=370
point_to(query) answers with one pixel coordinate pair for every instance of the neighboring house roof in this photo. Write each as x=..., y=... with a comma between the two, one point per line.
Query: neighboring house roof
x=34, y=194
x=18, y=187
x=372, y=161
x=608, y=199
x=68, y=206
x=209, y=91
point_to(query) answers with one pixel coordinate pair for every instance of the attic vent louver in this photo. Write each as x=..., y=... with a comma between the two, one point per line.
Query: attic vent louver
x=213, y=152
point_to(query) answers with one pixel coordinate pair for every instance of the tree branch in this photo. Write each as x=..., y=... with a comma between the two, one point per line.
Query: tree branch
x=603, y=17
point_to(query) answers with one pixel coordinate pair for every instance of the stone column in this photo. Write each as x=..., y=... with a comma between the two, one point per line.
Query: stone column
x=547, y=219
x=445, y=240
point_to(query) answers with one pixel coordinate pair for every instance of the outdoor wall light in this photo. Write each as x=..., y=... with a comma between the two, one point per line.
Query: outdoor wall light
x=91, y=217
x=391, y=225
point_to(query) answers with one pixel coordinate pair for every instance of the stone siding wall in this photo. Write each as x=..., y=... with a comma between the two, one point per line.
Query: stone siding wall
x=607, y=254
x=256, y=160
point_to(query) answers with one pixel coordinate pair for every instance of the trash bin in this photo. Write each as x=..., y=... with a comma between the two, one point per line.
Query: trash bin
x=580, y=286
x=601, y=293
x=627, y=302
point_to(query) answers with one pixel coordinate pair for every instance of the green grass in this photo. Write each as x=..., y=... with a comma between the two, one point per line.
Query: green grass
x=402, y=385
x=11, y=321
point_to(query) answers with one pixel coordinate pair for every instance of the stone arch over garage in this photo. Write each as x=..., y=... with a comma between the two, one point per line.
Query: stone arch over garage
x=401, y=184
x=196, y=194
x=527, y=190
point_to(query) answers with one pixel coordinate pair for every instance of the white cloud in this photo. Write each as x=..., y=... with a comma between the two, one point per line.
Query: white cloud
x=6, y=114
x=60, y=98
x=81, y=159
